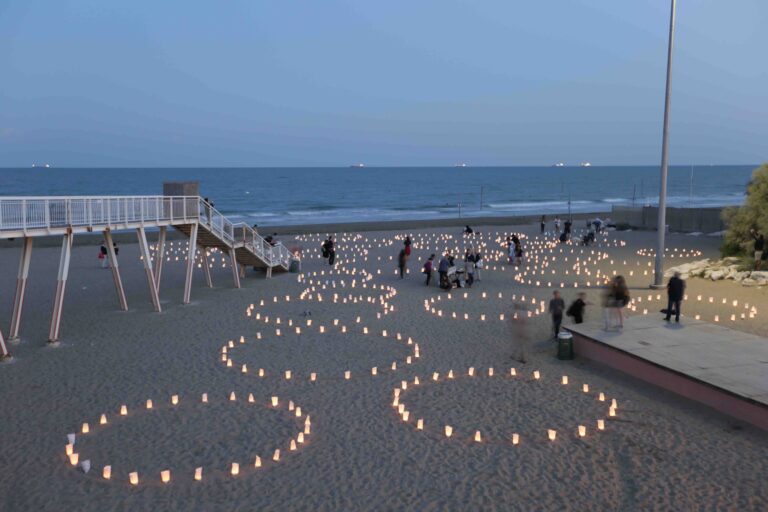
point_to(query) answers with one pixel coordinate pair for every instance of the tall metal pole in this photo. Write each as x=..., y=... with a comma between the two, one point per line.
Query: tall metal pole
x=662, y=220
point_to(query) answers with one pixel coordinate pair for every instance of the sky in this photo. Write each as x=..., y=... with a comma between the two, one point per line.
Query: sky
x=392, y=83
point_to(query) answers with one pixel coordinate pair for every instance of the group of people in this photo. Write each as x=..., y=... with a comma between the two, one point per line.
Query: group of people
x=447, y=271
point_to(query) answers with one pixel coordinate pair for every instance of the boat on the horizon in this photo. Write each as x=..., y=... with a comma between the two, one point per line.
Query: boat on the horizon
x=359, y=165
x=47, y=166
x=585, y=164
x=462, y=164
x=559, y=164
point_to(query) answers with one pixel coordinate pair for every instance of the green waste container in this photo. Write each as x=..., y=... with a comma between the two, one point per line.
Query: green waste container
x=565, y=345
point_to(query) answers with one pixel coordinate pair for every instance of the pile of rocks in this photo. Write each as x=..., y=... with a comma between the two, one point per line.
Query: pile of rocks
x=727, y=268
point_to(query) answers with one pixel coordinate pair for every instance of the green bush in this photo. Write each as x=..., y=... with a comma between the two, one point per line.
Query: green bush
x=752, y=215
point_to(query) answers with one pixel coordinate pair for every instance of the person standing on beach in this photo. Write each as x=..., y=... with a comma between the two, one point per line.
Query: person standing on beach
x=759, y=248
x=479, y=264
x=567, y=228
x=442, y=271
x=331, y=251
x=543, y=223
x=675, y=293
x=519, y=254
x=469, y=267
x=556, y=307
x=402, y=260
x=557, y=225
x=428, y=268
x=407, y=243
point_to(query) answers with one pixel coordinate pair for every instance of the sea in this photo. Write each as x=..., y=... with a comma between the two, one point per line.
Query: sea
x=290, y=196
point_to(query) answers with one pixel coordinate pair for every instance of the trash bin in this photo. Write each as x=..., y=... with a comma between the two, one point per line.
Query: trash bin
x=295, y=266
x=565, y=345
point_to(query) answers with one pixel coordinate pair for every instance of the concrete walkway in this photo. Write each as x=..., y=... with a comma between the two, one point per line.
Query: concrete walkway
x=706, y=362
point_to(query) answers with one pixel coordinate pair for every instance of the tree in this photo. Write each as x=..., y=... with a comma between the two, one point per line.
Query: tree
x=752, y=215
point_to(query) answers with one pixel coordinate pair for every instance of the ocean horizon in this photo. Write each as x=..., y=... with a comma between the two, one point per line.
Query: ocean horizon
x=309, y=195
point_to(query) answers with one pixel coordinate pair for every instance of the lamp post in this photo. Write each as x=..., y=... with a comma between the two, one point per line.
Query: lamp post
x=662, y=219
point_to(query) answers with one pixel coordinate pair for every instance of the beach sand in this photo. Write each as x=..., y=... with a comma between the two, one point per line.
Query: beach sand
x=660, y=453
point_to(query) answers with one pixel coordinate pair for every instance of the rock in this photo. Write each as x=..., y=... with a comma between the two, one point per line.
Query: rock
x=738, y=276
x=759, y=274
x=749, y=282
x=717, y=275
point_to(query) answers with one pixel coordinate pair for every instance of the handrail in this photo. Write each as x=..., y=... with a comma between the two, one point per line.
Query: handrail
x=48, y=213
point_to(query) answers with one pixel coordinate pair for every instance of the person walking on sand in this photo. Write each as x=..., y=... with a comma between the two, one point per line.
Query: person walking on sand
x=675, y=293
x=428, y=268
x=543, y=223
x=557, y=225
x=577, y=307
x=103, y=255
x=402, y=260
x=556, y=307
x=759, y=248
x=519, y=326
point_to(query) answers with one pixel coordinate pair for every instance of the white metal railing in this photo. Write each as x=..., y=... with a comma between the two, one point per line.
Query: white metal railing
x=274, y=255
x=26, y=214
x=48, y=214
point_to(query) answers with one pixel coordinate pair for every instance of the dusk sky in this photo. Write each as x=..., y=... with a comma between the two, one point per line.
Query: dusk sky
x=332, y=82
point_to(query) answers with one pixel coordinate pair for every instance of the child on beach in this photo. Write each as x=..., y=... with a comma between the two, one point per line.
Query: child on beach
x=103, y=255
x=576, y=309
x=428, y=268
x=556, y=307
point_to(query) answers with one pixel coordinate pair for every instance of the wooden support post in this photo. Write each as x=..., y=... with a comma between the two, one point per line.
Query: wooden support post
x=115, y=270
x=159, y=256
x=206, y=266
x=190, y=262
x=61, y=285
x=21, y=287
x=3, y=349
x=269, y=271
x=242, y=271
x=235, y=267
x=147, y=261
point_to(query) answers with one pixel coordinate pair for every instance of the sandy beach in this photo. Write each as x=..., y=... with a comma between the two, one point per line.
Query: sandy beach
x=660, y=452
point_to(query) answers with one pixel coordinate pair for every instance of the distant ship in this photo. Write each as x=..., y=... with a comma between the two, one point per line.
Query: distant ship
x=460, y=165
x=357, y=165
x=585, y=164
x=559, y=164
x=41, y=165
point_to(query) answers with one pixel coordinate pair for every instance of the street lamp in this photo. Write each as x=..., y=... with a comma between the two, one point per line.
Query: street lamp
x=662, y=219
